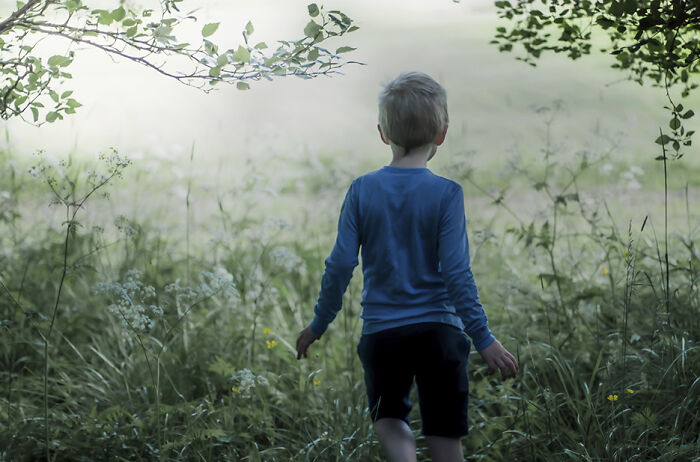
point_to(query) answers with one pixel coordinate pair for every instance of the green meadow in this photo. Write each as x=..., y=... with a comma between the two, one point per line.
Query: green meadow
x=152, y=295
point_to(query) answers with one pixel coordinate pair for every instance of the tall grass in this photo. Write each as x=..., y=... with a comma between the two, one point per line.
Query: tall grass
x=608, y=372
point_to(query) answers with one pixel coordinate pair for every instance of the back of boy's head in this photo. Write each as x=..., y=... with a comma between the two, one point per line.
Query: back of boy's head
x=412, y=110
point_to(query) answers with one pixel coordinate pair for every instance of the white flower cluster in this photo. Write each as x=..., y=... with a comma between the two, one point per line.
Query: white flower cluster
x=287, y=259
x=131, y=299
x=246, y=381
x=216, y=282
x=258, y=291
x=219, y=281
x=268, y=229
x=630, y=177
x=124, y=225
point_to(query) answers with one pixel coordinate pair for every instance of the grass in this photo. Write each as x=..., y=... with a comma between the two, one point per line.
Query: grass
x=176, y=317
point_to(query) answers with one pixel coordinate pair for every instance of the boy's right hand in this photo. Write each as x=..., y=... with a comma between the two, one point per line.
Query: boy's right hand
x=498, y=357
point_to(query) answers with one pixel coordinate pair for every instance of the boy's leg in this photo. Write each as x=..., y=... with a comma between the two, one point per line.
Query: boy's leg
x=445, y=449
x=396, y=439
x=443, y=390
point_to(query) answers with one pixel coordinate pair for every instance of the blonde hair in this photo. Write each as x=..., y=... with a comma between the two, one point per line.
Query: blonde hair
x=412, y=110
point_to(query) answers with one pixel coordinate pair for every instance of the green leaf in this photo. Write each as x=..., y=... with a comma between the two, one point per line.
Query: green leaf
x=616, y=9
x=261, y=46
x=604, y=22
x=118, y=14
x=222, y=60
x=128, y=22
x=51, y=117
x=73, y=103
x=344, y=50
x=210, y=48
x=66, y=94
x=313, y=55
x=249, y=29
x=131, y=31
x=209, y=29
x=312, y=29
x=105, y=18
x=241, y=55
x=72, y=6
x=242, y=86
x=663, y=139
x=313, y=10
x=630, y=6
x=59, y=61
x=35, y=114
x=674, y=123
x=688, y=114
x=214, y=71
x=53, y=95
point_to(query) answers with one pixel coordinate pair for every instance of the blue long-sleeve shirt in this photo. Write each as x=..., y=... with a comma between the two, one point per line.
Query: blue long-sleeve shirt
x=411, y=226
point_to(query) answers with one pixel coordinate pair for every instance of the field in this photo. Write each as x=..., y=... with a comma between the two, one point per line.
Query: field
x=158, y=321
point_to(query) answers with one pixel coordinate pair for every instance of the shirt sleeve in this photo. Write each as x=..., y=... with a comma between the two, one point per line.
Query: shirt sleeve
x=339, y=265
x=453, y=250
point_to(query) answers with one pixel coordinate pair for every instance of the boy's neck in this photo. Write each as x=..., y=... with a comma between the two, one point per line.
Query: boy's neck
x=415, y=158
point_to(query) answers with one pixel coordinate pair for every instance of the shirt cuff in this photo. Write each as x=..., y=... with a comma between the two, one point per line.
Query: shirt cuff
x=482, y=338
x=317, y=326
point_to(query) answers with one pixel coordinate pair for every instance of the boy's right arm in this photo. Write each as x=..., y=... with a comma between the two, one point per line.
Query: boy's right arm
x=339, y=265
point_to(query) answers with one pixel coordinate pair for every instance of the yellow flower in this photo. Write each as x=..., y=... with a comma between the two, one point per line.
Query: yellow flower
x=612, y=397
x=237, y=390
x=604, y=271
x=629, y=390
x=317, y=382
x=267, y=330
x=270, y=343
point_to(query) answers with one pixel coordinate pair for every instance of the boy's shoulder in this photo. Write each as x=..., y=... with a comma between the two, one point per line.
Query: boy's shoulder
x=377, y=175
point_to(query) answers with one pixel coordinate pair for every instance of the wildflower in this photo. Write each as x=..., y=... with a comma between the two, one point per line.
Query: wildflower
x=132, y=301
x=317, y=382
x=246, y=381
x=270, y=343
x=629, y=390
x=286, y=258
x=604, y=271
x=267, y=331
x=612, y=397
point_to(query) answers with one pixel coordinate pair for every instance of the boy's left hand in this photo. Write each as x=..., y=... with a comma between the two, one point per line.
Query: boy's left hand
x=306, y=338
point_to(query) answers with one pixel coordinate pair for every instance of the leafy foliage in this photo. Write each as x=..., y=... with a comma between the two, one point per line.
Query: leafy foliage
x=608, y=371
x=654, y=41
x=28, y=82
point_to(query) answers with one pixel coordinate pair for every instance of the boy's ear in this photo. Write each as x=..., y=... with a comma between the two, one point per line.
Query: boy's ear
x=441, y=138
x=381, y=134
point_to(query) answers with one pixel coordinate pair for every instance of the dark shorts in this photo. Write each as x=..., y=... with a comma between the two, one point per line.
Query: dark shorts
x=435, y=354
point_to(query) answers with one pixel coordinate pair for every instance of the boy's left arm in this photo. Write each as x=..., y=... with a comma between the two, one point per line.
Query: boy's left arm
x=337, y=274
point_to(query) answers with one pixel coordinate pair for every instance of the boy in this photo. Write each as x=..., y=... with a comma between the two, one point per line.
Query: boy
x=419, y=294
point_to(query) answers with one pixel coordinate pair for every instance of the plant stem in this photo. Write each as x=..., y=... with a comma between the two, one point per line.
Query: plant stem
x=668, y=283
x=48, y=335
